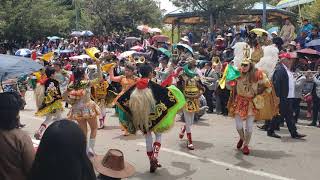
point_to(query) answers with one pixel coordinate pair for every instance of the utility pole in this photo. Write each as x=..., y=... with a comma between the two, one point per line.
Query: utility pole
x=264, y=14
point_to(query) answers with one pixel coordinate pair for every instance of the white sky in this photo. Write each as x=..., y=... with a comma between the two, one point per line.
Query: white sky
x=167, y=5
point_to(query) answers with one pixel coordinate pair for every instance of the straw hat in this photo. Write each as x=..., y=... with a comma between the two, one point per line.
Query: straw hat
x=293, y=43
x=113, y=165
x=185, y=38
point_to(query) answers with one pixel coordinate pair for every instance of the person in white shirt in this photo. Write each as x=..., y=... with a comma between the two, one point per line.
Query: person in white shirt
x=284, y=84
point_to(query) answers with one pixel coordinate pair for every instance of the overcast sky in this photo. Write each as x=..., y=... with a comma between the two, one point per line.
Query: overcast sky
x=167, y=5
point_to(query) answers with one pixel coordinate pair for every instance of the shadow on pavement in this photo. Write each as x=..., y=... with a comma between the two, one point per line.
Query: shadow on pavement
x=198, y=145
x=243, y=163
x=268, y=154
x=130, y=137
x=163, y=173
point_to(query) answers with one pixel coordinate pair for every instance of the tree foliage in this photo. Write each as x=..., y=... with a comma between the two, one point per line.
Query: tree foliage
x=312, y=12
x=219, y=9
x=22, y=20
x=122, y=15
x=30, y=19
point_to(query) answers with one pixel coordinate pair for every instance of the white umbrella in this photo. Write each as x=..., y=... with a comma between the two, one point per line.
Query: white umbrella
x=144, y=28
x=81, y=57
x=52, y=38
x=87, y=33
x=23, y=52
x=315, y=42
x=155, y=30
x=126, y=54
x=76, y=33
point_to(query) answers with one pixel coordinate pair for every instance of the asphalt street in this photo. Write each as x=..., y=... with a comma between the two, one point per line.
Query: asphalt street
x=215, y=155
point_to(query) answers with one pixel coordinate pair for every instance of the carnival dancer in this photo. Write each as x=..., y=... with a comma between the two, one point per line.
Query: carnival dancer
x=62, y=77
x=192, y=88
x=48, y=100
x=84, y=110
x=246, y=100
x=99, y=92
x=127, y=80
x=151, y=108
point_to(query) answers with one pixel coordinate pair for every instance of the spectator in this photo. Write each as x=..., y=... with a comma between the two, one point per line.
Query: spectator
x=62, y=154
x=300, y=80
x=316, y=97
x=301, y=40
x=292, y=46
x=209, y=81
x=229, y=40
x=277, y=40
x=112, y=166
x=287, y=32
x=16, y=152
x=307, y=26
x=237, y=38
x=314, y=35
x=219, y=43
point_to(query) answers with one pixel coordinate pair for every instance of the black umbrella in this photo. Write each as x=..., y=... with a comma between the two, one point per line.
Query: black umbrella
x=14, y=66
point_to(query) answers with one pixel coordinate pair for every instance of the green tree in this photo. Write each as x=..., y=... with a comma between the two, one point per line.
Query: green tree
x=312, y=12
x=122, y=15
x=23, y=20
x=217, y=10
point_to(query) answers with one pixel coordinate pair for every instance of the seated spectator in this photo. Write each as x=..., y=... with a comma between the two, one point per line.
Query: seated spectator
x=301, y=40
x=307, y=26
x=16, y=152
x=112, y=166
x=62, y=154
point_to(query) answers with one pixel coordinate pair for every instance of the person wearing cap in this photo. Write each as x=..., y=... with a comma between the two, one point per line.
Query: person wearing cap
x=245, y=100
x=277, y=40
x=229, y=39
x=292, y=47
x=284, y=85
x=185, y=40
x=16, y=152
x=219, y=43
x=112, y=166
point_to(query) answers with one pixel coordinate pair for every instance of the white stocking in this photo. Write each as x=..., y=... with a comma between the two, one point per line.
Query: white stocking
x=188, y=118
x=149, y=142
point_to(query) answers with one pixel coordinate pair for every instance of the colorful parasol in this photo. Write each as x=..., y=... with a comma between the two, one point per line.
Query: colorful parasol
x=160, y=38
x=144, y=28
x=259, y=31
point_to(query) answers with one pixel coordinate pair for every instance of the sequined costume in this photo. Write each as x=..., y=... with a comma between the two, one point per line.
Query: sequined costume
x=51, y=100
x=244, y=94
x=79, y=97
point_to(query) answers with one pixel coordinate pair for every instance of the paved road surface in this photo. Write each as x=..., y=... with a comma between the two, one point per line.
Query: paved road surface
x=215, y=155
